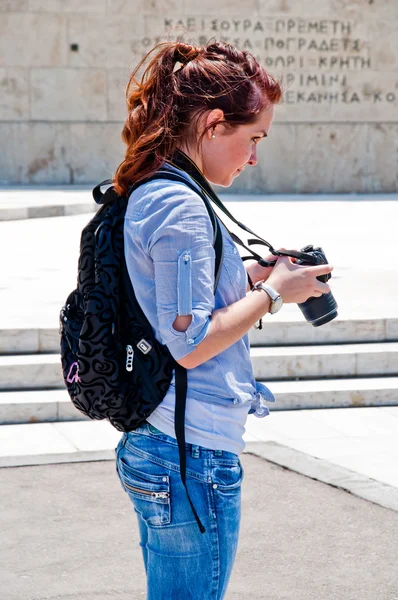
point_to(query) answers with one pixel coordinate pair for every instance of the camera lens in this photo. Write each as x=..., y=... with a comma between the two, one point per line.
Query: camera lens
x=319, y=311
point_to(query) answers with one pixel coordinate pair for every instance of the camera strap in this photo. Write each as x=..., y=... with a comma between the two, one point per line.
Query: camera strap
x=181, y=161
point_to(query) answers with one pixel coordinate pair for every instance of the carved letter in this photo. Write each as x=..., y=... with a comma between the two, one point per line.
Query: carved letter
x=268, y=43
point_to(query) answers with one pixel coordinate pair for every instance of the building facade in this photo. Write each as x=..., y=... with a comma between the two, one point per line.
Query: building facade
x=64, y=65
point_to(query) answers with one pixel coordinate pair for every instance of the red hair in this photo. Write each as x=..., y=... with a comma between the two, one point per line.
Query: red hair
x=181, y=83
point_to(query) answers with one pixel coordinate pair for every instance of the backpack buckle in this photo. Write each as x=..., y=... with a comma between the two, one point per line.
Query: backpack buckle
x=144, y=346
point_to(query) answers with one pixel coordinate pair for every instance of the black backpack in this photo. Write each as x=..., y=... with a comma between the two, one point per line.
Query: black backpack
x=113, y=366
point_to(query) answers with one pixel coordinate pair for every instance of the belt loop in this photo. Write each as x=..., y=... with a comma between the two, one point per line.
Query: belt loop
x=195, y=451
x=218, y=453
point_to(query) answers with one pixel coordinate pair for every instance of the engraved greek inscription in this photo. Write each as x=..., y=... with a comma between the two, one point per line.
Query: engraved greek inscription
x=349, y=62
x=345, y=28
x=320, y=59
x=321, y=80
x=280, y=61
x=356, y=45
x=389, y=97
x=268, y=43
x=350, y=97
x=320, y=27
x=290, y=78
x=312, y=79
x=323, y=27
x=300, y=44
x=318, y=97
x=289, y=97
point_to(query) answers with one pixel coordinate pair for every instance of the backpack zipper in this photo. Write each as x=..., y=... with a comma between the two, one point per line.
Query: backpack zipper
x=146, y=493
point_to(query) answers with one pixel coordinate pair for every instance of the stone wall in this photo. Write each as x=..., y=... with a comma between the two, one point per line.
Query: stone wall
x=64, y=65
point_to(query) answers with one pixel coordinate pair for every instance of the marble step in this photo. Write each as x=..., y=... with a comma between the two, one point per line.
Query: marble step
x=46, y=406
x=43, y=371
x=37, y=406
x=314, y=362
x=334, y=393
x=274, y=333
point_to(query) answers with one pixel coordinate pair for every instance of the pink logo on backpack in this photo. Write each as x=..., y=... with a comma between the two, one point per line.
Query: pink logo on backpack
x=73, y=375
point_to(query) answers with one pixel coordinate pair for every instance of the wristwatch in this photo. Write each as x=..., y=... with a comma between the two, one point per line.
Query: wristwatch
x=276, y=298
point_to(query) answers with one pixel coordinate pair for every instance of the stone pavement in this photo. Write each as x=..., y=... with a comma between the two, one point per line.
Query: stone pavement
x=354, y=449
x=68, y=532
x=24, y=203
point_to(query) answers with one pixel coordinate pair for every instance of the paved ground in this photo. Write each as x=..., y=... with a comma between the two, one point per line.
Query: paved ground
x=69, y=533
x=354, y=449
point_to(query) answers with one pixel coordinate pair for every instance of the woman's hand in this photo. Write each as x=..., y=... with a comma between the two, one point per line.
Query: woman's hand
x=259, y=273
x=296, y=283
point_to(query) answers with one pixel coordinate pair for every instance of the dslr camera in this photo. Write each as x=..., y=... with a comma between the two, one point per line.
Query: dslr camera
x=317, y=311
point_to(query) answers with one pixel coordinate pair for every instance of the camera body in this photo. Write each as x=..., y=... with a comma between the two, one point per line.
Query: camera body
x=317, y=311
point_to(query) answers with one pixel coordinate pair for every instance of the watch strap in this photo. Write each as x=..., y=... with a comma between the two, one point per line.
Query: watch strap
x=276, y=298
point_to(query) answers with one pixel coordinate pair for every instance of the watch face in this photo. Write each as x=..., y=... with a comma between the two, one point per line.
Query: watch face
x=276, y=305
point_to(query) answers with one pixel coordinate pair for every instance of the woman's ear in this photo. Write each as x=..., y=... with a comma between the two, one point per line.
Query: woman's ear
x=214, y=117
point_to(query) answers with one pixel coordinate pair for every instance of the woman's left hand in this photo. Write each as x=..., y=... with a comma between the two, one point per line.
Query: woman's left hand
x=259, y=273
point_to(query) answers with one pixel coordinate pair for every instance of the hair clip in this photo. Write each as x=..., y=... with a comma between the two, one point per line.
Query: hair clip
x=178, y=66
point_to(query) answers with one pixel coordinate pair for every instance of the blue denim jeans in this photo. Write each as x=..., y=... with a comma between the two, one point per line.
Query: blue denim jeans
x=181, y=563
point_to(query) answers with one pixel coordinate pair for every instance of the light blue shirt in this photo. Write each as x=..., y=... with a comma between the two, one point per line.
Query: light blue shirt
x=170, y=259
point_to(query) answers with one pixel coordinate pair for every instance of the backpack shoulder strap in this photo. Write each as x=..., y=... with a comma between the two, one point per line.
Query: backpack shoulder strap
x=217, y=236
x=109, y=195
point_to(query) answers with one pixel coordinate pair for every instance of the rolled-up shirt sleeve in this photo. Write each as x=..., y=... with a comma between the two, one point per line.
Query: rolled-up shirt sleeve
x=180, y=245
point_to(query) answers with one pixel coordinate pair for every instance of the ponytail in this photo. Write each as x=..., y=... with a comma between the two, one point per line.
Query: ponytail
x=179, y=84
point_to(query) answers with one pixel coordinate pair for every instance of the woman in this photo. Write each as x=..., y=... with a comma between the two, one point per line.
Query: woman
x=200, y=111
